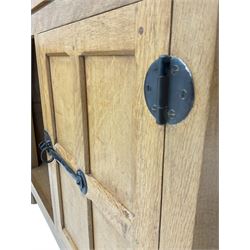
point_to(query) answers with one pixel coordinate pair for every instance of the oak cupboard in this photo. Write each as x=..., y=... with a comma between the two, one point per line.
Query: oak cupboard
x=150, y=186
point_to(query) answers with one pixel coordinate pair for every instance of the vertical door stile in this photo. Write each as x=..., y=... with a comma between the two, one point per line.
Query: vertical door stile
x=47, y=107
x=53, y=168
x=84, y=159
x=54, y=81
x=71, y=123
x=152, y=34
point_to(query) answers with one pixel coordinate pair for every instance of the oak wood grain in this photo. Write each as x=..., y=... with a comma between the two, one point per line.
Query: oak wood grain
x=110, y=32
x=108, y=205
x=145, y=180
x=206, y=230
x=67, y=103
x=38, y=4
x=110, y=88
x=152, y=32
x=40, y=180
x=61, y=12
x=194, y=31
x=59, y=77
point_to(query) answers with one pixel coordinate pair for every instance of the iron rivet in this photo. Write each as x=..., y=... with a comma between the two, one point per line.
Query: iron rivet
x=183, y=94
x=171, y=113
x=174, y=69
x=140, y=30
x=154, y=107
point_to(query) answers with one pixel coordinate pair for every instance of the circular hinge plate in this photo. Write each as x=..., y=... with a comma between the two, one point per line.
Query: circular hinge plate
x=169, y=90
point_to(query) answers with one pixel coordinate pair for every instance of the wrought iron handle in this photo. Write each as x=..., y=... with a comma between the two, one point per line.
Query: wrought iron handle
x=78, y=176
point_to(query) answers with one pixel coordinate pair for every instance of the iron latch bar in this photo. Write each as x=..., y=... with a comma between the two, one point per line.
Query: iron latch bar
x=47, y=147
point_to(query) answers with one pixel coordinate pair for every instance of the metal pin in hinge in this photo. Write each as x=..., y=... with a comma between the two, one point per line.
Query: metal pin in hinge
x=162, y=89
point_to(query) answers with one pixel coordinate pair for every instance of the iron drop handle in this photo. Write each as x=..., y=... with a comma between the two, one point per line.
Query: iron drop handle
x=78, y=176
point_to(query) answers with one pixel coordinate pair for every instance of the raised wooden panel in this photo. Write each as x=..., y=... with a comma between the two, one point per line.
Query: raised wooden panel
x=111, y=89
x=67, y=103
x=106, y=237
x=115, y=213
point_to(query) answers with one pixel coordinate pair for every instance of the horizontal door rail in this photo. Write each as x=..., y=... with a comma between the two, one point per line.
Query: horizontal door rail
x=115, y=212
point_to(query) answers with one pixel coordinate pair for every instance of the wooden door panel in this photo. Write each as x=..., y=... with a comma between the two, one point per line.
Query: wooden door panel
x=93, y=71
x=106, y=237
x=67, y=104
x=63, y=85
x=111, y=90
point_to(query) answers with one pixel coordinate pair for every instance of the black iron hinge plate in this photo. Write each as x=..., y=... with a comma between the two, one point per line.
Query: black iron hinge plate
x=169, y=90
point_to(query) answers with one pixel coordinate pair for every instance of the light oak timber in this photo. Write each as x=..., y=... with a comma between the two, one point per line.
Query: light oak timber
x=194, y=41
x=66, y=91
x=145, y=180
x=113, y=210
x=40, y=180
x=206, y=230
x=61, y=12
x=109, y=32
x=52, y=60
x=44, y=78
x=110, y=90
x=119, y=37
x=153, y=18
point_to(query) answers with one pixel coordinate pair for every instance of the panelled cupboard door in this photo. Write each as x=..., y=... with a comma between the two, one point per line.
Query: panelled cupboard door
x=149, y=186
x=91, y=78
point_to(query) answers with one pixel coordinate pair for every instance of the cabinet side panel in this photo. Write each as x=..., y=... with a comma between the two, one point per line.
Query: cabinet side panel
x=206, y=229
x=193, y=38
